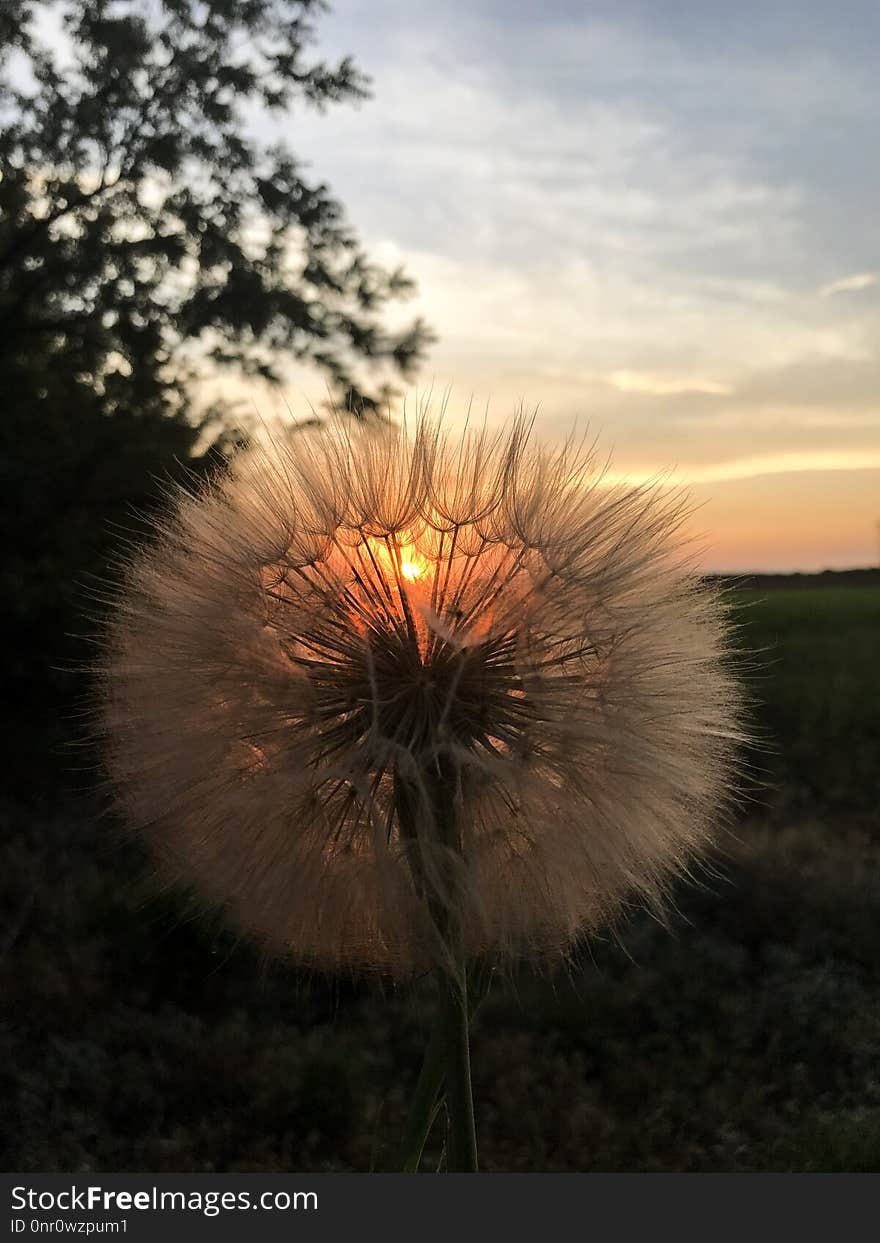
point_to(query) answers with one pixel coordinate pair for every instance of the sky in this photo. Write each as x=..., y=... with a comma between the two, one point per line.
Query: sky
x=659, y=220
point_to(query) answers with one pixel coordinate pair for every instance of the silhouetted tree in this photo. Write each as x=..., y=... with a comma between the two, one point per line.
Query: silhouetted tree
x=146, y=236
x=138, y=214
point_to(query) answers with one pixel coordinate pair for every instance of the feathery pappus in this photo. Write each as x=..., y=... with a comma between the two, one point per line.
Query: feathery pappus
x=379, y=685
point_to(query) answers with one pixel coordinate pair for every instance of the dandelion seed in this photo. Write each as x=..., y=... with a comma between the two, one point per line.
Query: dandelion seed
x=392, y=695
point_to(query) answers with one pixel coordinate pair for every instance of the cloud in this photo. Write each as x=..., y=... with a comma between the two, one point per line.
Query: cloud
x=619, y=217
x=483, y=162
x=665, y=386
x=754, y=467
x=849, y=284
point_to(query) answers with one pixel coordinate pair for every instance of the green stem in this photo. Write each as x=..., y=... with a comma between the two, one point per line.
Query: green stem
x=429, y=1096
x=426, y=1101
x=436, y=803
x=461, y=1149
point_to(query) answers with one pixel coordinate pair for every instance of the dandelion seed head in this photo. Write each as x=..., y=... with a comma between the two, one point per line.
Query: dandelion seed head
x=377, y=682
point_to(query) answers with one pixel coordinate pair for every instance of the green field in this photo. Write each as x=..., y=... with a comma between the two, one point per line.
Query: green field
x=817, y=691
x=743, y=1036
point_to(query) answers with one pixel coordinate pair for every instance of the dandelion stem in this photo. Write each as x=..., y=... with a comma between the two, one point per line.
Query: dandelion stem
x=461, y=1140
x=432, y=805
x=426, y=1101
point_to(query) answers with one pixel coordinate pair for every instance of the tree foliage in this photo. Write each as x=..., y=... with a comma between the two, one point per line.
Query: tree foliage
x=147, y=237
x=139, y=215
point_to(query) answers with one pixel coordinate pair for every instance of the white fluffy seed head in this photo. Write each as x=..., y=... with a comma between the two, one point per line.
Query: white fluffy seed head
x=375, y=684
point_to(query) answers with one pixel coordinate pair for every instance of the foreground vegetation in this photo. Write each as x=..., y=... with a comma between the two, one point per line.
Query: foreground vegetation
x=743, y=1036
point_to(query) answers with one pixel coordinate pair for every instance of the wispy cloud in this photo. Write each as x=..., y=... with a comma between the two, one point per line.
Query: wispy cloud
x=849, y=284
x=754, y=467
x=616, y=211
x=666, y=386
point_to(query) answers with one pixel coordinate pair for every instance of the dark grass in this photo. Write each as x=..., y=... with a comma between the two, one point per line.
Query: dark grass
x=816, y=683
x=745, y=1036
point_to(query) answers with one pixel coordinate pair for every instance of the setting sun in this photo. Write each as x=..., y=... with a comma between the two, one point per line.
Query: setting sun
x=412, y=566
x=411, y=570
